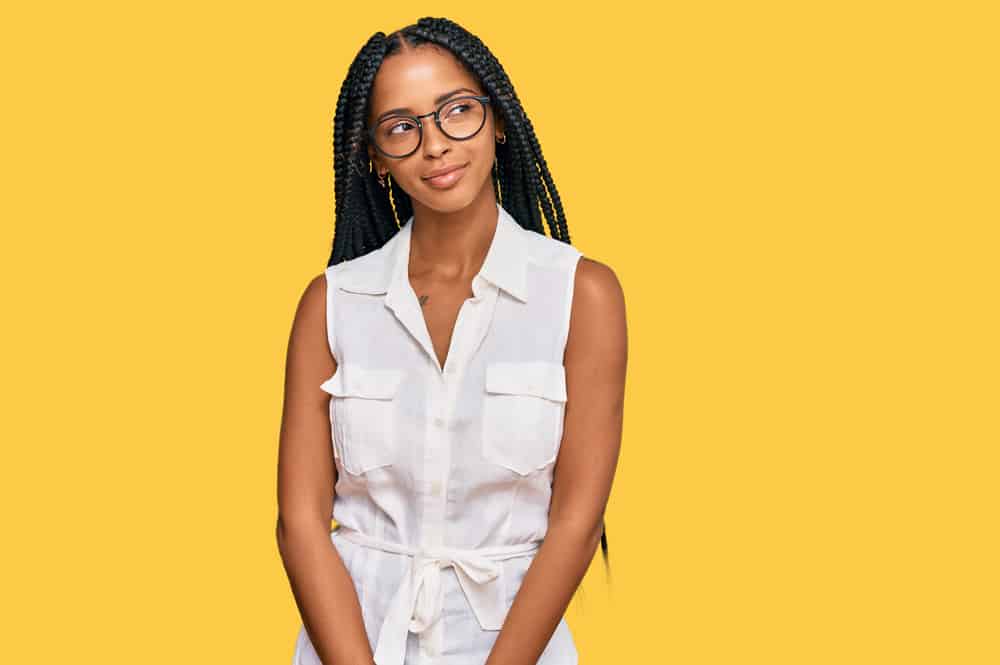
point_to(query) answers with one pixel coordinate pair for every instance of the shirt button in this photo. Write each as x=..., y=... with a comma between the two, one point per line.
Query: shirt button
x=439, y=422
x=436, y=488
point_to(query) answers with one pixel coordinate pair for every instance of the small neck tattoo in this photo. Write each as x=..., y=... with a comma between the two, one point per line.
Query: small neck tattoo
x=423, y=299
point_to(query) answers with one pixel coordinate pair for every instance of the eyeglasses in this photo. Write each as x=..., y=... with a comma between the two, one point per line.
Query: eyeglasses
x=460, y=119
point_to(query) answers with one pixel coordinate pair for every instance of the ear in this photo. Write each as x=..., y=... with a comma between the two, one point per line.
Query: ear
x=373, y=156
x=501, y=127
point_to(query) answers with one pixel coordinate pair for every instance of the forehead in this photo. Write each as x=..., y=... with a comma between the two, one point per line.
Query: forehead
x=414, y=78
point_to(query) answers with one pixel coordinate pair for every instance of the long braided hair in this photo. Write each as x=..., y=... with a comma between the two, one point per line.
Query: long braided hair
x=367, y=215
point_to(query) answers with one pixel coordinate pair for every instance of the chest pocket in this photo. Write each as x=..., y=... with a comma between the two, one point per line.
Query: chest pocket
x=523, y=411
x=363, y=416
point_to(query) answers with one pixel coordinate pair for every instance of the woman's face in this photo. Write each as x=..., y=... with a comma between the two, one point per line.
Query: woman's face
x=416, y=80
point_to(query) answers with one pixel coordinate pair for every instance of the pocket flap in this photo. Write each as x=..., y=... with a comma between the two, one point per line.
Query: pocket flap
x=541, y=379
x=354, y=381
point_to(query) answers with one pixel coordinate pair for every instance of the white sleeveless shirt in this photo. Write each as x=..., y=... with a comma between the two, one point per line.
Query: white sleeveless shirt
x=444, y=474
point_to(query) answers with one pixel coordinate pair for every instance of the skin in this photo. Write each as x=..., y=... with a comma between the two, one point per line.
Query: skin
x=452, y=231
x=452, y=228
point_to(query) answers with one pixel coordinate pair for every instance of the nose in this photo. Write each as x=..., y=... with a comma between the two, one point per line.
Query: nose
x=435, y=142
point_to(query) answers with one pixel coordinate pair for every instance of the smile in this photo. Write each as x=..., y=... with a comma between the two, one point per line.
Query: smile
x=448, y=179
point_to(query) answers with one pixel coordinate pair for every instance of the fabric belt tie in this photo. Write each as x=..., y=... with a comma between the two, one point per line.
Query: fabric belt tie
x=416, y=605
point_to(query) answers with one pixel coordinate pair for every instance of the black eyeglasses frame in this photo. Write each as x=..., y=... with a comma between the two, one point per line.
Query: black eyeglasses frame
x=482, y=99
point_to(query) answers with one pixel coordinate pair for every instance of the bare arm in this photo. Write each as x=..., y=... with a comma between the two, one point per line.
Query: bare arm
x=595, y=360
x=321, y=584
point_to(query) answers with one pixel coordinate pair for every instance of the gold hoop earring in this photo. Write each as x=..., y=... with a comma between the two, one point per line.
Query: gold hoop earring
x=371, y=170
x=502, y=138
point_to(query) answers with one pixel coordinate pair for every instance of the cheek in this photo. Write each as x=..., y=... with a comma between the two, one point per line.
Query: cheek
x=407, y=174
x=482, y=155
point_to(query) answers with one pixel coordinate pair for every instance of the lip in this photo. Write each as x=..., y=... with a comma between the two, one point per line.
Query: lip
x=448, y=178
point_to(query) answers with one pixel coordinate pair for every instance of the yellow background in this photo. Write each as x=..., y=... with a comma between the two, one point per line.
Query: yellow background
x=800, y=200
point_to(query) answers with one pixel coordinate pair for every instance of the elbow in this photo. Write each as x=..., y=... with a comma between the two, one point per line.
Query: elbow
x=594, y=537
x=283, y=531
x=300, y=526
x=586, y=533
x=279, y=535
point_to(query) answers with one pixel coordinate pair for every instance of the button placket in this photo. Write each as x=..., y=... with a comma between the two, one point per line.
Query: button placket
x=437, y=455
x=447, y=393
x=437, y=460
x=467, y=334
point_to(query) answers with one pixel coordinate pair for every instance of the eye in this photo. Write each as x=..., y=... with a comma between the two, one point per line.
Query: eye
x=459, y=109
x=401, y=125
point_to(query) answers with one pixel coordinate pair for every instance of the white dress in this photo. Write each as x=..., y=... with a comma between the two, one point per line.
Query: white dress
x=445, y=473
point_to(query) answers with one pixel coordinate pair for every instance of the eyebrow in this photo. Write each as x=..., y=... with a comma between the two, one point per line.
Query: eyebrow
x=439, y=100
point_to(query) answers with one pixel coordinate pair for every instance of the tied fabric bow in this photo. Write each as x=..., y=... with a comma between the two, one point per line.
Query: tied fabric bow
x=416, y=605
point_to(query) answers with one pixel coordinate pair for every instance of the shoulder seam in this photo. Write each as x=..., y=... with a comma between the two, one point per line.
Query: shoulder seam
x=330, y=340
x=574, y=263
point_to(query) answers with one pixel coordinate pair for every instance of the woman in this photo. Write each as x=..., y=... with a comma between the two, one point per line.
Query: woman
x=455, y=378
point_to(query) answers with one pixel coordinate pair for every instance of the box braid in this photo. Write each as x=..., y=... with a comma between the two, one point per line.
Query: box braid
x=367, y=214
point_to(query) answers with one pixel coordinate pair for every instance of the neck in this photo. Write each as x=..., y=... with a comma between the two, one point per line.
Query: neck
x=452, y=245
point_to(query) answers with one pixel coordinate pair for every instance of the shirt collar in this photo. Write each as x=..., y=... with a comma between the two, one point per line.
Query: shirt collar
x=505, y=266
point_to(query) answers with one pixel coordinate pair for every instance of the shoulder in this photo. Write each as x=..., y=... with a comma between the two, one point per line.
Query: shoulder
x=312, y=302
x=545, y=251
x=357, y=265
x=308, y=334
x=596, y=287
x=364, y=269
x=597, y=339
x=597, y=290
